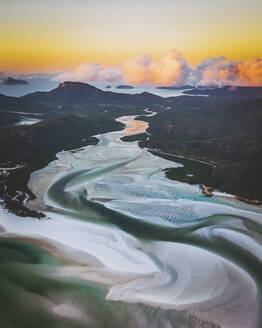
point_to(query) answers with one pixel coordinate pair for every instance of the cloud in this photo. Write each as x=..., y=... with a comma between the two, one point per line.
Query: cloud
x=250, y=72
x=171, y=69
x=36, y=76
x=220, y=72
x=2, y=75
x=91, y=72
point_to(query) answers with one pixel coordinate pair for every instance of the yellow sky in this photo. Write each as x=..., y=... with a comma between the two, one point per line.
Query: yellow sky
x=60, y=34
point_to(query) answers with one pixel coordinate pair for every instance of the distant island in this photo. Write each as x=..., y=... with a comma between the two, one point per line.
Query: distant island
x=183, y=87
x=108, y=87
x=12, y=81
x=125, y=87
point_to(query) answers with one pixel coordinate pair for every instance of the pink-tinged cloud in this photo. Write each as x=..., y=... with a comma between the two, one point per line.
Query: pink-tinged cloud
x=220, y=72
x=250, y=72
x=90, y=72
x=170, y=69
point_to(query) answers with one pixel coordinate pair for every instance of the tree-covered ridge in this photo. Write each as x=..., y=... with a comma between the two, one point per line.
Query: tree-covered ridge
x=226, y=133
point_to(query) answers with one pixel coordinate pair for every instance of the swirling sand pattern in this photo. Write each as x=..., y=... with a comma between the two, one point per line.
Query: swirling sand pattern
x=123, y=245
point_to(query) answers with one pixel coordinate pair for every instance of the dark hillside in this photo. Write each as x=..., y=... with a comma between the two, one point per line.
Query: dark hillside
x=229, y=93
x=83, y=93
x=229, y=134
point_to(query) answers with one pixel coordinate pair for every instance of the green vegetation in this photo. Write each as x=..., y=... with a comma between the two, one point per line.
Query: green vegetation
x=83, y=93
x=136, y=137
x=192, y=172
x=228, y=93
x=228, y=133
x=205, y=128
x=62, y=128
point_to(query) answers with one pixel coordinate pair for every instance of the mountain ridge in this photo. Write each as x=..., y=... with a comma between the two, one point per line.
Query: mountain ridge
x=70, y=92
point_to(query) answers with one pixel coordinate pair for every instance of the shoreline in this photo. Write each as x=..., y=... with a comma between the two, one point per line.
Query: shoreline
x=40, y=180
x=207, y=190
x=146, y=263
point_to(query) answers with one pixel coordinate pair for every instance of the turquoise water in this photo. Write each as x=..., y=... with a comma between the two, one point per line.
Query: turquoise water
x=121, y=245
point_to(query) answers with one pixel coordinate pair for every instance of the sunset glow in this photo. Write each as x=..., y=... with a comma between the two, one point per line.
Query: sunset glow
x=59, y=35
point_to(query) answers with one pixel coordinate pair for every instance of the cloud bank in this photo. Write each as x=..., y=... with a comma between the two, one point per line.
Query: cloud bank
x=171, y=70
x=220, y=72
x=91, y=72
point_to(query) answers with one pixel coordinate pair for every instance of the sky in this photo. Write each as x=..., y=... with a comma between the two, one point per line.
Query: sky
x=61, y=35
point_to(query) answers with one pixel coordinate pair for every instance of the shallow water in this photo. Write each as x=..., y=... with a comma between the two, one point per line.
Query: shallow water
x=123, y=245
x=28, y=121
x=47, y=85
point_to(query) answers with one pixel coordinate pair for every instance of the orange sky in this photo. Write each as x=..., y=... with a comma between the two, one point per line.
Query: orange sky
x=61, y=34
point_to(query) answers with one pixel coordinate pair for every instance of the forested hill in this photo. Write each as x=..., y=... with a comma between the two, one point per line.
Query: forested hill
x=210, y=128
x=228, y=93
x=228, y=133
x=83, y=93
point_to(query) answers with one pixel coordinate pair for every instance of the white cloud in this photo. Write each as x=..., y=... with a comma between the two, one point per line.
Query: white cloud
x=171, y=69
x=90, y=72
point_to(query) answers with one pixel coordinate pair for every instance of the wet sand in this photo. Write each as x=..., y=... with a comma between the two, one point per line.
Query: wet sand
x=150, y=242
